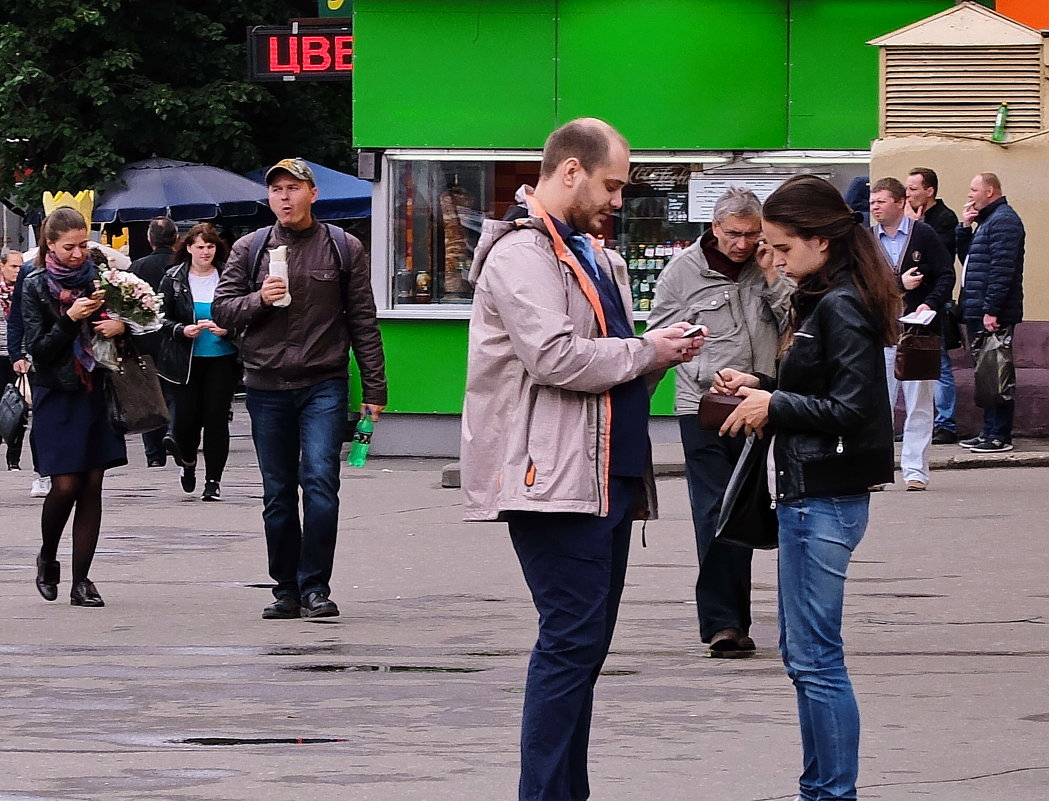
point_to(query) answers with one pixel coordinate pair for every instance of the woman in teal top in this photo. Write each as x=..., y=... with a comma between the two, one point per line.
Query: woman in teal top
x=199, y=358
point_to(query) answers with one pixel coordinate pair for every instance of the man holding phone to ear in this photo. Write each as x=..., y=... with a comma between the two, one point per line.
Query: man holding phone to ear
x=726, y=282
x=925, y=271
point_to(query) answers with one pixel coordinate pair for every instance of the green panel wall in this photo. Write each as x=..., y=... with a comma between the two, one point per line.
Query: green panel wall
x=470, y=74
x=426, y=368
x=677, y=74
x=834, y=73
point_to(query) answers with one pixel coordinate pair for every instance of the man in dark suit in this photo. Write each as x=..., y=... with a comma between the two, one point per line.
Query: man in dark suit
x=162, y=235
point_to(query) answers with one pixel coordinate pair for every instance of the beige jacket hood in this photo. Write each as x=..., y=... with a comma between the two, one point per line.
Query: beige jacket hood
x=537, y=415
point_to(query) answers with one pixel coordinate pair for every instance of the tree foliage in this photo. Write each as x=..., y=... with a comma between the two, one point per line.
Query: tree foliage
x=89, y=85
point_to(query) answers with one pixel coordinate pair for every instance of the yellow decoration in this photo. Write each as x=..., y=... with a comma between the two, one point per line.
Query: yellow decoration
x=118, y=241
x=83, y=201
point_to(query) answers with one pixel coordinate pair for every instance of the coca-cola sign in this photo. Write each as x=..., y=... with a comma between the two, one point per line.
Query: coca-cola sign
x=661, y=176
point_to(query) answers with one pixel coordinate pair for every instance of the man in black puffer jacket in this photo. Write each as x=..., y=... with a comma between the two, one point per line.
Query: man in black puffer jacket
x=992, y=288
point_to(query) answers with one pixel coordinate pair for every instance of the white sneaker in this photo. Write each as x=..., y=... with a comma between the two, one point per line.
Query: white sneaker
x=41, y=487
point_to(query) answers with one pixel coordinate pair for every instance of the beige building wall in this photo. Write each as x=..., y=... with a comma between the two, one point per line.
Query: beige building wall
x=1023, y=168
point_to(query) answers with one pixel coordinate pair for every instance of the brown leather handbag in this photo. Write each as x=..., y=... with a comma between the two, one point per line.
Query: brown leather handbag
x=714, y=409
x=918, y=357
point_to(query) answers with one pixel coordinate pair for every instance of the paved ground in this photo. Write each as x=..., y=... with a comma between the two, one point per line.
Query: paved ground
x=173, y=690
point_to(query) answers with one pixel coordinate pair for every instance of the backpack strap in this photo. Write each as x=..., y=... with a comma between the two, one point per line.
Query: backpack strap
x=258, y=242
x=342, y=250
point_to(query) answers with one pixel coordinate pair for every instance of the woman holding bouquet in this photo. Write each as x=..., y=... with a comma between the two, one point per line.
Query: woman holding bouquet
x=198, y=357
x=71, y=438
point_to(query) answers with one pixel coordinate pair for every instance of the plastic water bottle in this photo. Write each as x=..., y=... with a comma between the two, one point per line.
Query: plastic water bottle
x=362, y=439
x=1000, y=121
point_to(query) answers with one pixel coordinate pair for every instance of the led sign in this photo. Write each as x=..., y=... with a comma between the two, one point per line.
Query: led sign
x=300, y=53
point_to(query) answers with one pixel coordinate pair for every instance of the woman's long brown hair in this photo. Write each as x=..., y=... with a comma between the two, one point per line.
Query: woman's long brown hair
x=808, y=207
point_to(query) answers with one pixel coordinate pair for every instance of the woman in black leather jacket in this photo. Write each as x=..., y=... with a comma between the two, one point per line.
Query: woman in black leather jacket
x=72, y=440
x=832, y=429
x=199, y=358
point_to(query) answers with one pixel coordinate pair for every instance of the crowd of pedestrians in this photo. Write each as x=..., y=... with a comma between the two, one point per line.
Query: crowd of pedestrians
x=792, y=307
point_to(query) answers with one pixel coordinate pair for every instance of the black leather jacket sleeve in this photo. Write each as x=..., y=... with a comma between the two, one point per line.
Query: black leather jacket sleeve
x=834, y=350
x=48, y=334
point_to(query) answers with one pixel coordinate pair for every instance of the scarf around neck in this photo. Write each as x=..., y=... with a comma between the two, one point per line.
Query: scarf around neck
x=66, y=284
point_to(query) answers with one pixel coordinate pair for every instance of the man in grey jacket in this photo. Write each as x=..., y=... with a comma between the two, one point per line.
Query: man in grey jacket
x=725, y=281
x=555, y=429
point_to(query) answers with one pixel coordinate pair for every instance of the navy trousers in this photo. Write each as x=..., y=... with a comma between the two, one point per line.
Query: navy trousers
x=575, y=566
x=723, y=586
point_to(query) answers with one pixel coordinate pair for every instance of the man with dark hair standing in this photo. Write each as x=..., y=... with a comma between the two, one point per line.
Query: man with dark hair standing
x=926, y=275
x=725, y=281
x=298, y=332
x=161, y=235
x=992, y=289
x=924, y=205
x=555, y=429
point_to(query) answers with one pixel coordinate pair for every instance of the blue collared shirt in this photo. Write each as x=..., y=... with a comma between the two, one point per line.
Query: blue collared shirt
x=893, y=245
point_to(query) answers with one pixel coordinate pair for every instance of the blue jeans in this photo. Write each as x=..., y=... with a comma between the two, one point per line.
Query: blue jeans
x=298, y=434
x=575, y=566
x=816, y=540
x=723, y=585
x=946, y=397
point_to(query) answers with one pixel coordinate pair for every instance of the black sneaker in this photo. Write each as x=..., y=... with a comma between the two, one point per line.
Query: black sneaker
x=211, y=491
x=173, y=450
x=284, y=608
x=972, y=442
x=188, y=478
x=991, y=446
x=317, y=604
x=941, y=436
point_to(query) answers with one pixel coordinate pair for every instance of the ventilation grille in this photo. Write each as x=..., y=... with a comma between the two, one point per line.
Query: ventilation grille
x=958, y=89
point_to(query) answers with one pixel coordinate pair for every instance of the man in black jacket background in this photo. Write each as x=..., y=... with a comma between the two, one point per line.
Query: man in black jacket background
x=923, y=204
x=992, y=289
x=925, y=273
x=162, y=235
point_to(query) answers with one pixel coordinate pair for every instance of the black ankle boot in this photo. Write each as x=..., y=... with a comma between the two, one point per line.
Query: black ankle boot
x=48, y=573
x=85, y=594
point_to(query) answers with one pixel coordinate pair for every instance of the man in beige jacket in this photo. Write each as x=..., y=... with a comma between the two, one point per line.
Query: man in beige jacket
x=555, y=438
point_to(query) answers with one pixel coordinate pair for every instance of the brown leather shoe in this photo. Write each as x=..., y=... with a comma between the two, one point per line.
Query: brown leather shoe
x=725, y=644
x=747, y=644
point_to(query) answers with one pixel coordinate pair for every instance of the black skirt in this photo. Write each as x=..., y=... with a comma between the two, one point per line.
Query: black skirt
x=71, y=432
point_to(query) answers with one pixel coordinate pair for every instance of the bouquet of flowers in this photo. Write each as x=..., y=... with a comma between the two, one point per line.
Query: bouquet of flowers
x=131, y=300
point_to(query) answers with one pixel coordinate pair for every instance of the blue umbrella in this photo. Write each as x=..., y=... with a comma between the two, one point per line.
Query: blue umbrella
x=180, y=190
x=340, y=196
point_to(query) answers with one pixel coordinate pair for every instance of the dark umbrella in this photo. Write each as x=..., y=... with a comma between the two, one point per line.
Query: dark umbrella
x=340, y=196
x=180, y=190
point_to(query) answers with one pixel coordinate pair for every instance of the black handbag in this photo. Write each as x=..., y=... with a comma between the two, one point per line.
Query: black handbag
x=994, y=378
x=918, y=357
x=14, y=411
x=748, y=512
x=134, y=401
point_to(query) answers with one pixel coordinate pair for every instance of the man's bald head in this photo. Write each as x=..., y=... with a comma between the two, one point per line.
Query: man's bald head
x=587, y=139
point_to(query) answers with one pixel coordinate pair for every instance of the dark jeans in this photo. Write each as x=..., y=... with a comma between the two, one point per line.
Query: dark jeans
x=203, y=404
x=575, y=566
x=723, y=586
x=998, y=419
x=14, y=447
x=298, y=434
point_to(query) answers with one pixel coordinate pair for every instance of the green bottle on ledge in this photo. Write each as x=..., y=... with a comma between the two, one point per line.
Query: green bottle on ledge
x=1000, y=121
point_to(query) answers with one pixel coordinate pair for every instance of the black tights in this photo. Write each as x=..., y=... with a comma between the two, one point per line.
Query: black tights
x=83, y=490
